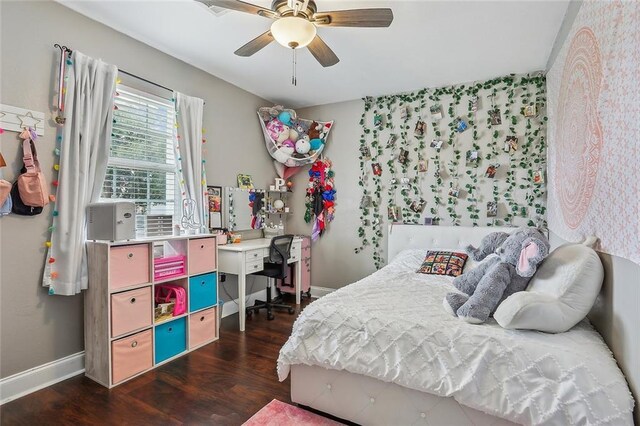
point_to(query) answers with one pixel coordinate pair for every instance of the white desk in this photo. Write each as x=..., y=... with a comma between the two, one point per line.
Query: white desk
x=247, y=257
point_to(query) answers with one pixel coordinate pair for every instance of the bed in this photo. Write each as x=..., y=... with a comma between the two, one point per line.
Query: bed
x=384, y=351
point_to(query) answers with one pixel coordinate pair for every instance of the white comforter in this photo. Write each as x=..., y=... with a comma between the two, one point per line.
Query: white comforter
x=391, y=326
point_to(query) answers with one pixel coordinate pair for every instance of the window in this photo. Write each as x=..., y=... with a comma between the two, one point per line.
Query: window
x=142, y=163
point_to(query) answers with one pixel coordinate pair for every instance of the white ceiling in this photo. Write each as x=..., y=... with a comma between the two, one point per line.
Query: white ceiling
x=429, y=44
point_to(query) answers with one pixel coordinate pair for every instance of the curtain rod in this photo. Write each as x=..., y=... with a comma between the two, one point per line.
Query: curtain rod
x=145, y=80
x=70, y=51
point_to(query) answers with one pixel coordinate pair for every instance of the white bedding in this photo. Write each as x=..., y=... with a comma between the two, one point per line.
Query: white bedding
x=391, y=326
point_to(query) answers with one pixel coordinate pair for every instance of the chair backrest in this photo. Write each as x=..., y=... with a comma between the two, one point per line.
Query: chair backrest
x=279, y=251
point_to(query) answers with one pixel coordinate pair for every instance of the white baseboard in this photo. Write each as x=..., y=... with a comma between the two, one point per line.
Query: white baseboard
x=317, y=292
x=40, y=377
x=230, y=307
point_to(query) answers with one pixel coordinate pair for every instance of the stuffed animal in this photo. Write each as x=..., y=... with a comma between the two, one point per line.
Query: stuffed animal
x=303, y=146
x=316, y=144
x=314, y=131
x=278, y=131
x=283, y=154
x=499, y=275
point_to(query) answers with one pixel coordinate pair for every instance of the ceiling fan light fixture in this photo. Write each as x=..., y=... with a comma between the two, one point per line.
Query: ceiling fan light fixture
x=293, y=32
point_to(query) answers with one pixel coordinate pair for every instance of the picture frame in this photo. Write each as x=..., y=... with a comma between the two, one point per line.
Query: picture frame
x=494, y=117
x=245, y=181
x=214, y=202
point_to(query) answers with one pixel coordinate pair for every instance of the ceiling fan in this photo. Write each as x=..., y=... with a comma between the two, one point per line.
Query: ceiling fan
x=295, y=22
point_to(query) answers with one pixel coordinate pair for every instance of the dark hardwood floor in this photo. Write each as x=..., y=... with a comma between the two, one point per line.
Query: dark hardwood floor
x=223, y=383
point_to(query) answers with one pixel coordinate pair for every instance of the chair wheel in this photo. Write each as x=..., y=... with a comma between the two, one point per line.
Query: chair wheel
x=249, y=314
x=270, y=316
x=291, y=311
x=309, y=294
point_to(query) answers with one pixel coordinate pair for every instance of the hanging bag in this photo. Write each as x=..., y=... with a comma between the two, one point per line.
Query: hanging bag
x=32, y=185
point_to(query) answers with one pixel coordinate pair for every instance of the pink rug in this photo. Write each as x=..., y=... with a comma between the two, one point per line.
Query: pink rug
x=278, y=413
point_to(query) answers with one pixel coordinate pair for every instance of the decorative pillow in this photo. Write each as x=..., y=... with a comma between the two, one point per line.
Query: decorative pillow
x=559, y=295
x=443, y=263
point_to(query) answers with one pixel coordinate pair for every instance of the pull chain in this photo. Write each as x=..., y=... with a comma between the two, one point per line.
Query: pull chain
x=294, y=78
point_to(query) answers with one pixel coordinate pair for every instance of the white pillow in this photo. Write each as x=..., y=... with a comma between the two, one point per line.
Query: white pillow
x=560, y=294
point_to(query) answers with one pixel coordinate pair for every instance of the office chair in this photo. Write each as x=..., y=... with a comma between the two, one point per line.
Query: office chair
x=276, y=268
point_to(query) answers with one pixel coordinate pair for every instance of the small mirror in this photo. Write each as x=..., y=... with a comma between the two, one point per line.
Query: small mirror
x=241, y=208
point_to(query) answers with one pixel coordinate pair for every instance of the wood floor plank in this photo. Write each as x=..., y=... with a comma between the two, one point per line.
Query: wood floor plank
x=223, y=383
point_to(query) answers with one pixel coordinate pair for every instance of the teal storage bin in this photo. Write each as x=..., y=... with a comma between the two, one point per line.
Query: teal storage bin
x=202, y=291
x=171, y=339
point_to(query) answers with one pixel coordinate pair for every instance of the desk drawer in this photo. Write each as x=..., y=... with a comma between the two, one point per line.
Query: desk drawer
x=253, y=255
x=255, y=266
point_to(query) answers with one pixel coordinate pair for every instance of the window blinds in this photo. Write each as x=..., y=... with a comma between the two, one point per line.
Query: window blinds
x=142, y=163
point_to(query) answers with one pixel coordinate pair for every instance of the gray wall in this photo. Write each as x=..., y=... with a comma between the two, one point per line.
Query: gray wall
x=34, y=327
x=333, y=262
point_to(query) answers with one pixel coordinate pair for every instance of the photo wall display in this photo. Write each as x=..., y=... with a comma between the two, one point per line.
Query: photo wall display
x=471, y=154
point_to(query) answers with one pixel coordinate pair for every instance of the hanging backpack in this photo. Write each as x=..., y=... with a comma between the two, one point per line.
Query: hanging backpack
x=18, y=206
x=32, y=185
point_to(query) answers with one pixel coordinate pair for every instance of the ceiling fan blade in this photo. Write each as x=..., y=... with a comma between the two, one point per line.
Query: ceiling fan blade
x=322, y=52
x=255, y=45
x=354, y=18
x=241, y=6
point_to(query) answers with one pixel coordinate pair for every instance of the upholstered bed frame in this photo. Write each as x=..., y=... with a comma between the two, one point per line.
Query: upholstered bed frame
x=368, y=401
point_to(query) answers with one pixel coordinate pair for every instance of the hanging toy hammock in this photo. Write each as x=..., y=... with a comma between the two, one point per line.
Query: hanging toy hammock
x=292, y=142
x=320, y=198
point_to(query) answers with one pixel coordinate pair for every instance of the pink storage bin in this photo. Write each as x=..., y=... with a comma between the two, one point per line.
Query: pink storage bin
x=131, y=355
x=130, y=310
x=202, y=255
x=129, y=265
x=169, y=267
x=202, y=327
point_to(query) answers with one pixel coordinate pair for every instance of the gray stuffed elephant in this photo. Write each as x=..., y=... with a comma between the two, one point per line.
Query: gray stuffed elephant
x=508, y=270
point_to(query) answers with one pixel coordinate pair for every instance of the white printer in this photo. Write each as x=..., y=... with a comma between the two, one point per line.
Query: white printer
x=112, y=221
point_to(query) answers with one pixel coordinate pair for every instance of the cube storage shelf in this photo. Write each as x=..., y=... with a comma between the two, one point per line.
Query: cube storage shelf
x=123, y=339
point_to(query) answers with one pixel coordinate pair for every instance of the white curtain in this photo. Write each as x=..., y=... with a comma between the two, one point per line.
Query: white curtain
x=84, y=152
x=194, y=183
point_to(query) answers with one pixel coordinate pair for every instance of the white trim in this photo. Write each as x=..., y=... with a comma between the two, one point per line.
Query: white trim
x=40, y=377
x=317, y=292
x=230, y=307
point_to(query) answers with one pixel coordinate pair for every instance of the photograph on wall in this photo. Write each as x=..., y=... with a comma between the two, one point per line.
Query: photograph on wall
x=494, y=117
x=473, y=103
x=436, y=112
x=245, y=181
x=405, y=183
x=437, y=144
x=538, y=177
x=391, y=142
x=377, y=169
x=423, y=166
x=491, y=171
x=403, y=157
x=417, y=206
x=472, y=157
x=365, y=201
x=511, y=144
x=405, y=112
x=421, y=129
x=377, y=121
x=214, y=197
x=365, y=152
x=393, y=213
x=454, y=192
x=430, y=221
x=492, y=208
x=460, y=125
x=530, y=111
